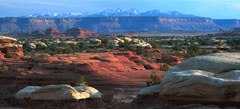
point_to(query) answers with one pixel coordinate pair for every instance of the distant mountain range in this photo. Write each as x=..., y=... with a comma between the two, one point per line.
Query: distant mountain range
x=117, y=21
x=111, y=13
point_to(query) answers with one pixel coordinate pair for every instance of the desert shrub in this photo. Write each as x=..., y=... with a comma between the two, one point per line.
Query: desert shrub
x=177, y=48
x=7, y=55
x=67, y=50
x=42, y=56
x=139, y=50
x=148, y=54
x=81, y=81
x=192, y=51
x=164, y=67
x=104, y=42
x=154, y=79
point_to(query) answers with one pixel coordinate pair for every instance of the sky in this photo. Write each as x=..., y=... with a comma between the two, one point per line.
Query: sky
x=217, y=9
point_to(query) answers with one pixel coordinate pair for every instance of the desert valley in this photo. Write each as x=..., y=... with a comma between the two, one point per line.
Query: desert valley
x=119, y=59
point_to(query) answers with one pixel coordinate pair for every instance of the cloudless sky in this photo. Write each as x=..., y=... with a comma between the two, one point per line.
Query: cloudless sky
x=219, y=9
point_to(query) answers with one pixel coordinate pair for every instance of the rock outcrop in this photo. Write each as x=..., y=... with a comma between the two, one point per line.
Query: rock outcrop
x=9, y=48
x=25, y=92
x=211, y=78
x=171, y=60
x=79, y=32
x=100, y=69
x=52, y=32
x=1, y=56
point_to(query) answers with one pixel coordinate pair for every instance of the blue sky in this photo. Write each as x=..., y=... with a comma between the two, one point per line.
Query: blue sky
x=219, y=9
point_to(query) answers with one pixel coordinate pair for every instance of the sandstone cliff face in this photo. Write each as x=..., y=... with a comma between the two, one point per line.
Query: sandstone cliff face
x=228, y=23
x=108, y=24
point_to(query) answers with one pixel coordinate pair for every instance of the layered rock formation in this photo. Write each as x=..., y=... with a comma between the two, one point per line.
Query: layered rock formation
x=9, y=49
x=79, y=32
x=52, y=32
x=212, y=78
x=100, y=69
x=109, y=72
x=109, y=24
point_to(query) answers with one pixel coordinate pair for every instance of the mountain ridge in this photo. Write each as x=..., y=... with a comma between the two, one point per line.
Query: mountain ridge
x=109, y=24
x=111, y=13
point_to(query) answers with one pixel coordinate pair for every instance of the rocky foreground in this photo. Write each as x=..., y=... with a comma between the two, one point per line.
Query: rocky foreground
x=201, y=81
x=113, y=73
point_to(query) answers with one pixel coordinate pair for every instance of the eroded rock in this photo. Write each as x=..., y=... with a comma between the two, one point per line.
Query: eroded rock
x=209, y=78
x=9, y=47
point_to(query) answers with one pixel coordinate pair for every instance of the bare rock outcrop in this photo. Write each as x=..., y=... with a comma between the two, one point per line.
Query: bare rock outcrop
x=9, y=48
x=99, y=69
x=53, y=32
x=79, y=32
x=211, y=78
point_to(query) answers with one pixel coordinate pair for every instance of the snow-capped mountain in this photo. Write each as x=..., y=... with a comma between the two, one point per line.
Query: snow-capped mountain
x=113, y=13
x=117, y=12
x=57, y=15
x=166, y=14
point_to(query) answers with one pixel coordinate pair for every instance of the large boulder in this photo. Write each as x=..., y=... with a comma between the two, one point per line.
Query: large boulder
x=216, y=63
x=209, y=78
x=25, y=92
x=58, y=92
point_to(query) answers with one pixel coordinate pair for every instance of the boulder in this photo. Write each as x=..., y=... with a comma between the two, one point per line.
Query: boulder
x=217, y=63
x=209, y=78
x=95, y=41
x=58, y=92
x=25, y=92
x=4, y=39
x=149, y=90
x=94, y=93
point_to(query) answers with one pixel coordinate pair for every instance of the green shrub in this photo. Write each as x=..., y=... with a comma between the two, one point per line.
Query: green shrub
x=154, y=79
x=139, y=50
x=43, y=56
x=7, y=55
x=33, y=57
x=164, y=67
x=81, y=81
